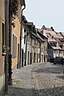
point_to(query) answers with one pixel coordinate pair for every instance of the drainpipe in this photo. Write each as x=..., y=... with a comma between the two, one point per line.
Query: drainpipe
x=26, y=48
x=40, y=52
x=10, y=55
x=21, y=52
x=6, y=42
x=31, y=52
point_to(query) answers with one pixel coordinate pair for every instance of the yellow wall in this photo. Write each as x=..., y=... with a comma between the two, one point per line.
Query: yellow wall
x=16, y=32
x=2, y=11
x=2, y=20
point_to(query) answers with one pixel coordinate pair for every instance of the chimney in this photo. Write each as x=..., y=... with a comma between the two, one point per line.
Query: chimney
x=52, y=28
x=43, y=27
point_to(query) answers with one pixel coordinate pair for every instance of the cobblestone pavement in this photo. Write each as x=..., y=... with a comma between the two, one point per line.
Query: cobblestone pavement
x=44, y=79
x=23, y=83
x=49, y=79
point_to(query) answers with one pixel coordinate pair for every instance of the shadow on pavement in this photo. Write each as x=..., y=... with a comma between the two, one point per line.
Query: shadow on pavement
x=61, y=77
x=57, y=91
x=53, y=70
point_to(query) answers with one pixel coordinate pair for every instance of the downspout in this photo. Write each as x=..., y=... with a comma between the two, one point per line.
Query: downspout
x=31, y=52
x=21, y=53
x=6, y=42
x=26, y=47
x=40, y=51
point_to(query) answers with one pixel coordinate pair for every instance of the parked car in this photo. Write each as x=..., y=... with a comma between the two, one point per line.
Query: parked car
x=52, y=60
x=58, y=60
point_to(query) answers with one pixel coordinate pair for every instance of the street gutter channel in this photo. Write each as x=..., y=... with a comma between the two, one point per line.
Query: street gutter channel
x=36, y=85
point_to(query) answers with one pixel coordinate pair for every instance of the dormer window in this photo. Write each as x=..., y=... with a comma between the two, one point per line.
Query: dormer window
x=24, y=30
x=61, y=46
x=57, y=45
x=48, y=34
x=52, y=37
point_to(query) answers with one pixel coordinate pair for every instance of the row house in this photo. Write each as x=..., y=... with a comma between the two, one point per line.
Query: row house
x=14, y=41
x=36, y=48
x=15, y=35
x=55, y=42
x=33, y=45
x=44, y=47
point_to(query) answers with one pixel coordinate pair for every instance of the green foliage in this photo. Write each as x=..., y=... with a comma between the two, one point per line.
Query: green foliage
x=13, y=7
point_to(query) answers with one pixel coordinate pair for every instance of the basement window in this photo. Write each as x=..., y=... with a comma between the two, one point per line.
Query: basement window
x=14, y=46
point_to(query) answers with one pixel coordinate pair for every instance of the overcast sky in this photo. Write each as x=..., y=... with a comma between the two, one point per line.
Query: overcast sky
x=46, y=12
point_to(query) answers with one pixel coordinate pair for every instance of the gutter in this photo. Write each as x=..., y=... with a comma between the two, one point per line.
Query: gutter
x=24, y=5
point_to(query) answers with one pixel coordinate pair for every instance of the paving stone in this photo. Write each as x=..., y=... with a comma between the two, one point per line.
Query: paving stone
x=45, y=79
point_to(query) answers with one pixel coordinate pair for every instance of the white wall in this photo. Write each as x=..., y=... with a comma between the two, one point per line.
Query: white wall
x=22, y=38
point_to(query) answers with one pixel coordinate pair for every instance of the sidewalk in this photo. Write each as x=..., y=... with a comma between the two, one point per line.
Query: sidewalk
x=23, y=82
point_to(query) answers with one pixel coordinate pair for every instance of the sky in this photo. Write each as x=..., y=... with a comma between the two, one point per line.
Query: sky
x=45, y=12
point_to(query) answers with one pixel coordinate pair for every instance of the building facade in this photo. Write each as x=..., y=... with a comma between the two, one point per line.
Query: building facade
x=14, y=40
x=55, y=42
x=34, y=45
x=44, y=46
x=16, y=35
x=2, y=42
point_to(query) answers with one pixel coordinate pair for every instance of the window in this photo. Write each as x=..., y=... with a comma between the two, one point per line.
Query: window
x=35, y=42
x=14, y=46
x=28, y=38
x=3, y=39
x=25, y=30
x=63, y=53
x=24, y=39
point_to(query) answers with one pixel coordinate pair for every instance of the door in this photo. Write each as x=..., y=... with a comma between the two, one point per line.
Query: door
x=28, y=57
x=18, y=61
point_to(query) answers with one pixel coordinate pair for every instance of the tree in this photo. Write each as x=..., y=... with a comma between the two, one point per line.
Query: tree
x=13, y=7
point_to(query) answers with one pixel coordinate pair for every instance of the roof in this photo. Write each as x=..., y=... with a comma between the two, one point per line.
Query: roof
x=51, y=40
x=56, y=48
x=58, y=35
x=40, y=37
x=62, y=39
x=29, y=23
x=44, y=37
x=49, y=32
x=62, y=33
x=24, y=19
x=46, y=28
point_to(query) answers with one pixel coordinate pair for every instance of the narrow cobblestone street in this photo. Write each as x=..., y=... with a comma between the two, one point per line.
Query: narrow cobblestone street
x=38, y=80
